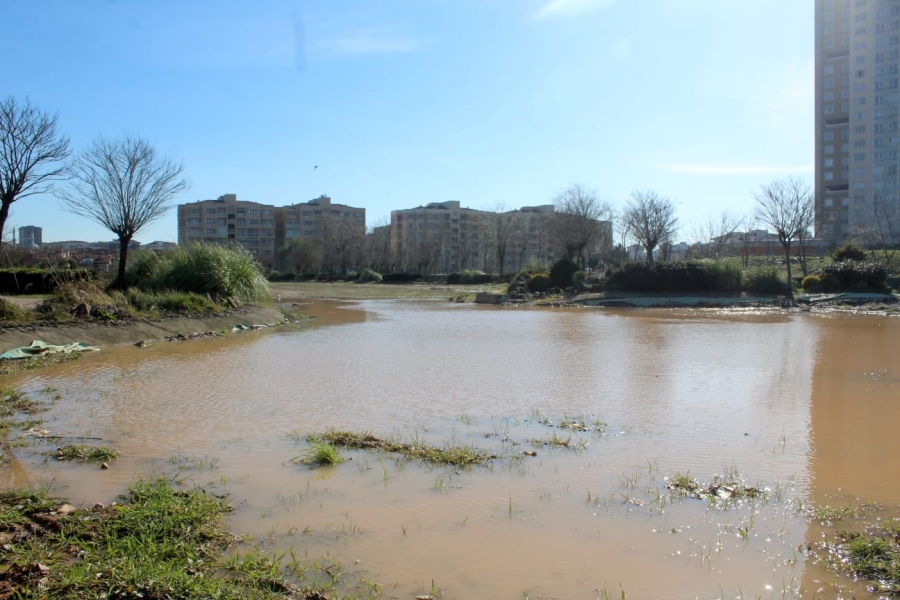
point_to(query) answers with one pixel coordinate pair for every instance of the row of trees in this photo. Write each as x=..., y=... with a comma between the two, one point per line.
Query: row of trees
x=122, y=184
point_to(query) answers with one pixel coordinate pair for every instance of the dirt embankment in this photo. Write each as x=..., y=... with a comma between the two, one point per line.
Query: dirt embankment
x=99, y=333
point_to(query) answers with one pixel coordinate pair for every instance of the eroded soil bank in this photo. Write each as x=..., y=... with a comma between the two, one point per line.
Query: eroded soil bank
x=99, y=333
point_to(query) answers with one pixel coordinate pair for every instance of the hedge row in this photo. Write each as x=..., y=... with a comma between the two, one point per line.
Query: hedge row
x=38, y=281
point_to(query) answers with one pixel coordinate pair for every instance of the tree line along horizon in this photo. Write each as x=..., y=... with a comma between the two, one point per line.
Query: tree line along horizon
x=124, y=183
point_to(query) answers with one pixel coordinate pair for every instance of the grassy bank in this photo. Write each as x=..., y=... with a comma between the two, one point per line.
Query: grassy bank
x=287, y=292
x=157, y=542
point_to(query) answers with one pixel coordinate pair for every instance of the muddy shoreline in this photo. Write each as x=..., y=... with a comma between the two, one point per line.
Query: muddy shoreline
x=131, y=331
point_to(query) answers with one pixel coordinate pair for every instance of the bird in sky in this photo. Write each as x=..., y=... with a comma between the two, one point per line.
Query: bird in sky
x=315, y=167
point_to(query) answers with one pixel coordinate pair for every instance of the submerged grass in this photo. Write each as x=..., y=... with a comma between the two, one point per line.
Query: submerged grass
x=321, y=454
x=458, y=455
x=158, y=543
x=88, y=454
x=730, y=487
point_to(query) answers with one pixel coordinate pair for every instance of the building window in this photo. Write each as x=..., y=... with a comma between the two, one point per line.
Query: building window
x=829, y=162
x=829, y=149
x=209, y=231
x=829, y=176
x=828, y=202
x=829, y=96
x=210, y=221
x=859, y=143
x=859, y=185
x=195, y=211
x=829, y=109
x=859, y=156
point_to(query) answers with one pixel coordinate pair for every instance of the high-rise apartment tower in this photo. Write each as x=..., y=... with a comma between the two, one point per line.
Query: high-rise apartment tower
x=857, y=99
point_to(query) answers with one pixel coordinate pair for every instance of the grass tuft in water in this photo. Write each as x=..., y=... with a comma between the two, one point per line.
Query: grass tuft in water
x=458, y=455
x=88, y=454
x=321, y=454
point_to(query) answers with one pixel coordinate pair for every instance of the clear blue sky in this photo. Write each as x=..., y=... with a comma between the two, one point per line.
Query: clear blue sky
x=405, y=102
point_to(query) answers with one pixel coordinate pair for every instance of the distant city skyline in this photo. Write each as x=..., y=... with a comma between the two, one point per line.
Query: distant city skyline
x=388, y=107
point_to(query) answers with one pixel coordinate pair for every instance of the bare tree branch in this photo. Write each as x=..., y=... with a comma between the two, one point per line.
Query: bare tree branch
x=31, y=153
x=786, y=206
x=123, y=185
x=577, y=223
x=651, y=220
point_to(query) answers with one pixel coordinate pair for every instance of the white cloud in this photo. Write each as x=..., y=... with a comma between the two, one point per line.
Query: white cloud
x=371, y=43
x=570, y=8
x=735, y=169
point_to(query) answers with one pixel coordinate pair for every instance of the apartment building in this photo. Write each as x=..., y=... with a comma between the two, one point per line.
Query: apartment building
x=262, y=229
x=442, y=237
x=311, y=220
x=228, y=220
x=31, y=236
x=856, y=114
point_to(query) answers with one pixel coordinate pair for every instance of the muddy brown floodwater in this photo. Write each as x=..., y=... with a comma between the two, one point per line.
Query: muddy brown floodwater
x=804, y=406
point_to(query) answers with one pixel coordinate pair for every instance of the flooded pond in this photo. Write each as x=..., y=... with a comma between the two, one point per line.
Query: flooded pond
x=802, y=408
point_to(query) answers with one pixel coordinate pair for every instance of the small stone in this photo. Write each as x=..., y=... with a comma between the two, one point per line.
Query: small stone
x=66, y=509
x=98, y=506
x=104, y=466
x=529, y=452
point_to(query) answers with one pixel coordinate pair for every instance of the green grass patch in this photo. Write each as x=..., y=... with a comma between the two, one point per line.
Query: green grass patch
x=88, y=454
x=158, y=543
x=321, y=454
x=450, y=454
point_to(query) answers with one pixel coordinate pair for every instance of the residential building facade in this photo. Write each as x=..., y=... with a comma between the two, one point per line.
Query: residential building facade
x=263, y=229
x=856, y=114
x=31, y=236
x=311, y=220
x=443, y=237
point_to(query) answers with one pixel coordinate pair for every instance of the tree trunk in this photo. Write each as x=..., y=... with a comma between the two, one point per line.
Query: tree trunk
x=787, y=257
x=4, y=212
x=649, y=255
x=123, y=256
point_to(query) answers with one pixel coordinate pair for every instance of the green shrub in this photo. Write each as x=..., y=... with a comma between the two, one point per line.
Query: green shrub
x=765, y=280
x=210, y=270
x=811, y=284
x=39, y=281
x=10, y=311
x=185, y=303
x=578, y=278
x=143, y=266
x=855, y=276
x=562, y=271
x=469, y=277
x=280, y=276
x=679, y=277
x=539, y=282
x=848, y=252
x=368, y=275
x=400, y=277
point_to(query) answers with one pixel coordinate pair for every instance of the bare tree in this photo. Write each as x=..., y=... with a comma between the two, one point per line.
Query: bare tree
x=499, y=227
x=122, y=184
x=378, y=253
x=343, y=241
x=31, y=153
x=651, y=220
x=301, y=255
x=784, y=205
x=717, y=234
x=882, y=232
x=807, y=220
x=576, y=223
